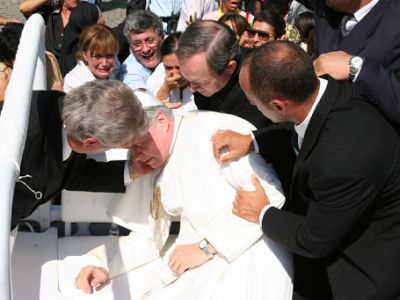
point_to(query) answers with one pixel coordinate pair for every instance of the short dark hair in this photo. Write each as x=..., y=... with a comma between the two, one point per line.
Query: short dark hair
x=281, y=7
x=9, y=41
x=274, y=19
x=281, y=69
x=170, y=44
x=217, y=40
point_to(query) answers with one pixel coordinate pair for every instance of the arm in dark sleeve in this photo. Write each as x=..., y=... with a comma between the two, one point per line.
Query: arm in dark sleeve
x=274, y=143
x=380, y=84
x=85, y=174
x=338, y=205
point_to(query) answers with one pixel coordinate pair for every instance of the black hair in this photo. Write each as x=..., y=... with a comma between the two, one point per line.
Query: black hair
x=281, y=7
x=170, y=44
x=9, y=41
x=287, y=71
x=273, y=19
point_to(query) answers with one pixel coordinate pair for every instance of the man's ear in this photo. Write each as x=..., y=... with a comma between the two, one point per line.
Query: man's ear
x=231, y=67
x=163, y=121
x=279, y=105
x=89, y=142
x=84, y=146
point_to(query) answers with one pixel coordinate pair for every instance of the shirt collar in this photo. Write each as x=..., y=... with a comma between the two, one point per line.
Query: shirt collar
x=302, y=127
x=363, y=11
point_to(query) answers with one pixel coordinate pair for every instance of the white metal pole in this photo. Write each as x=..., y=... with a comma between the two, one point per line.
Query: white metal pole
x=13, y=126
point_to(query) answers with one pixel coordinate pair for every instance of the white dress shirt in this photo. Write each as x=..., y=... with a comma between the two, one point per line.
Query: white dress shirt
x=359, y=15
x=301, y=130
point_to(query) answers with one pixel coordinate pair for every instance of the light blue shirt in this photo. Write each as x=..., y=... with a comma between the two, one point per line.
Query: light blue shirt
x=164, y=8
x=134, y=74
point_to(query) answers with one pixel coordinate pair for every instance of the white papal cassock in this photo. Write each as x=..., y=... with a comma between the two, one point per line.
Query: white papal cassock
x=199, y=190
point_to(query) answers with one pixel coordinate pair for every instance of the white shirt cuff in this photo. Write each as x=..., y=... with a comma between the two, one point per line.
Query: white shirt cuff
x=261, y=217
x=256, y=149
x=359, y=70
x=127, y=175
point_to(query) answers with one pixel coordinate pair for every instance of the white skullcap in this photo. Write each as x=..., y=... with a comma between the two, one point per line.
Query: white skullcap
x=147, y=99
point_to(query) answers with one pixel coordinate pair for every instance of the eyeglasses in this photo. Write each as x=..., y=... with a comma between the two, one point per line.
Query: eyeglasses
x=138, y=44
x=262, y=35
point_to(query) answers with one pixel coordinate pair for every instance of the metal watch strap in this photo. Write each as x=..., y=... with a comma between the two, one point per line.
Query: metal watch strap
x=203, y=245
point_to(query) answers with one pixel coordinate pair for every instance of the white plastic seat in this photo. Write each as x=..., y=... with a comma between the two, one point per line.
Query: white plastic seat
x=35, y=266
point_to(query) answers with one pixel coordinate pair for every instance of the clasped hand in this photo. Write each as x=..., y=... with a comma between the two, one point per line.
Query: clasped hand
x=335, y=64
x=91, y=277
x=175, y=82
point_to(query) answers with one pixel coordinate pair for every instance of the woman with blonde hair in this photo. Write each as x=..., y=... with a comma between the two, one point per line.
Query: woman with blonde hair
x=96, y=57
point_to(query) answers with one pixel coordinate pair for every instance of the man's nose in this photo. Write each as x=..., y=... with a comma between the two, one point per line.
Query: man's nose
x=145, y=47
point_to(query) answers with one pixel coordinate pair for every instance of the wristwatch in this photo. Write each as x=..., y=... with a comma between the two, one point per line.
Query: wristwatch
x=203, y=245
x=355, y=64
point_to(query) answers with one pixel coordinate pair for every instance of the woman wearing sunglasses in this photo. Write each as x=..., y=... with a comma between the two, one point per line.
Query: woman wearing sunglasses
x=267, y=27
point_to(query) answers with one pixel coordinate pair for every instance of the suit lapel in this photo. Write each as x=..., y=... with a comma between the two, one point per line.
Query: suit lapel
x=316, y=124
x=355, y=41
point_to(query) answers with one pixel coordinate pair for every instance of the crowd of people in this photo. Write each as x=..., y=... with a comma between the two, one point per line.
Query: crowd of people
x=270, y=127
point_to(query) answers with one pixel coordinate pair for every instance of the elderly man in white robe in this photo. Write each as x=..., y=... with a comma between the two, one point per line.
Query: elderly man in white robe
x=216, y=254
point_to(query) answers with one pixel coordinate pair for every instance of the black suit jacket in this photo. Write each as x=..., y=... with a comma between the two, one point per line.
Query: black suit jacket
x=346, y=197
x=42, y=159
x=377, y=39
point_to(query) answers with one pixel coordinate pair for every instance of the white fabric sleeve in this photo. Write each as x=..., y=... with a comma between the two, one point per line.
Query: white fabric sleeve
x=147, y=237
x=228, y=233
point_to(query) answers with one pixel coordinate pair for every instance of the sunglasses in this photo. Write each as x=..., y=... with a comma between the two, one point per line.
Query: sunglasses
x=263, y=35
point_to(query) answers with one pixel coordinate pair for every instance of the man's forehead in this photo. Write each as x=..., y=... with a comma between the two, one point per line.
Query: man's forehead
x=144, y=34
x=195, y=65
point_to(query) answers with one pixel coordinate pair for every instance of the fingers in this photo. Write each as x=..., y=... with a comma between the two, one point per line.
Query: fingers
x=175, y=263
x=82, y=280
x=91, y=277
x=172, y=105
x=100, y=277
x=236, y=207
x=219, y=143
x=256, y=183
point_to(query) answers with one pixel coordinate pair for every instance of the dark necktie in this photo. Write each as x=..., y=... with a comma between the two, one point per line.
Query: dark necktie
x=343, y=31
x=295, y=141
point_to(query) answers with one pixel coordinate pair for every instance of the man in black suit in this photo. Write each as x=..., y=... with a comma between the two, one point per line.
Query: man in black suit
x=362, y=48
x=344, y=226
x=43, y=173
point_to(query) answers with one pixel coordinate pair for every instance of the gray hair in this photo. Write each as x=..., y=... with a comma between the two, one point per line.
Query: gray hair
x=107, y=110
x=140, y=20
x=217, y=40
x=152, y=112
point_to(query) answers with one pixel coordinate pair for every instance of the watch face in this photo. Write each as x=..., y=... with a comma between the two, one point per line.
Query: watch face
x=203, y=244
x=356, y=61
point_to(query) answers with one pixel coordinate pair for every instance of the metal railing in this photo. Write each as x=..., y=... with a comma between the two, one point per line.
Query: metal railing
x=29, y=73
